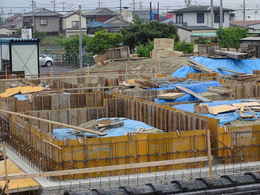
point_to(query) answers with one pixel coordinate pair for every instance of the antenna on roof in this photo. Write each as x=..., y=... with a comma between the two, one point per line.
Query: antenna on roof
x=188, y=3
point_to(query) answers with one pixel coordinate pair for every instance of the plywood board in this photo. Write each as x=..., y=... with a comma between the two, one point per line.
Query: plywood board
x=221, y=109
x=16, y=184
x=170, y=96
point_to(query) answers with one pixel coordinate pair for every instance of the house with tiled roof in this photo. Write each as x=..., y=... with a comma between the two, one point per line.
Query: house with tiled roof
x=43, y=20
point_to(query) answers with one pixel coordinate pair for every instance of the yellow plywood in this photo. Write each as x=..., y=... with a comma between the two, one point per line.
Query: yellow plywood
x=25, y=89
x=17, y=184
x=10, y=92
x=31, y=89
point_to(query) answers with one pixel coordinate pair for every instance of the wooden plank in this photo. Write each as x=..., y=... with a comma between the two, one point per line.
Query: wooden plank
x=232, y=54
x=53, y=122
x=170, y=96
x=221, y=109
x=193, y=94
x=199, y=67
x=106, y=168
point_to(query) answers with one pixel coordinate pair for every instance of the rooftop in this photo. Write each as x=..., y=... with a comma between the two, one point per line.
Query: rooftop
x=99, y=12
x=191, y=28
x=42, y=12
x=246, y=23
x=198, y=9
x=15, y=40
x=251, y=39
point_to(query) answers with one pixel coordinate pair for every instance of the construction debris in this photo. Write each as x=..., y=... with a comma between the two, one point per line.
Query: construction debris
x=23, y=90
x=186, y=90
x=231, y=54
x=199, y=67
x=170, y=96
x=141, y=83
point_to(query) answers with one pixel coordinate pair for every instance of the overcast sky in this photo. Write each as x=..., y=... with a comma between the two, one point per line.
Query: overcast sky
x=91, y=4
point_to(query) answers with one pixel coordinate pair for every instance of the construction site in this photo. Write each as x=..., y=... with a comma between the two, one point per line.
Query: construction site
x=134, y=126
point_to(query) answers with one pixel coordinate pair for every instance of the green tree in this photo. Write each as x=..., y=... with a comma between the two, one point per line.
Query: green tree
x=144, y=50
x=103, y=40
x=71, y=44
x=230, y=37
x=141, y=33
x=186, y=48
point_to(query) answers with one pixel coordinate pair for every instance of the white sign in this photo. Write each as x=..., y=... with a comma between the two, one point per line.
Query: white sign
x=26, y=33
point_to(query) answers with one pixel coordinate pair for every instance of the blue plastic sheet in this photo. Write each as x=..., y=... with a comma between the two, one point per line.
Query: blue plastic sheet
x=223, y=118
x=21, y=97
x=197, y=87
x=242, y=66
x=128, y=127
x=184, y=71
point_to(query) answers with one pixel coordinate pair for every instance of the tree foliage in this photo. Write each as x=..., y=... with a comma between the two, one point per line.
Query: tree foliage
x=186, y=48
x=141, y=33
x=144, y=50
x=71, y=44
x=103, y=40
x=230, y=37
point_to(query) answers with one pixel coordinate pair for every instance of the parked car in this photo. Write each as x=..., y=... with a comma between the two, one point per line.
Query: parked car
x=46, y=60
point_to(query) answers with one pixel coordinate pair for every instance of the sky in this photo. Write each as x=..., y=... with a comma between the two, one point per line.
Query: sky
x=165, y=5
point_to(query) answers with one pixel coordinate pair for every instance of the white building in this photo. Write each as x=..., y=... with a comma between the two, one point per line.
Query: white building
x=200, y=16
x=71, y=24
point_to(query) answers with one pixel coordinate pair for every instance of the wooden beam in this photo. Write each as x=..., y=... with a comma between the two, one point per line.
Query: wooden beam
x=210, y=172
x=53, y=122
x=105, y=168
x=200, y=67
x=193, y=94
x=232, y=54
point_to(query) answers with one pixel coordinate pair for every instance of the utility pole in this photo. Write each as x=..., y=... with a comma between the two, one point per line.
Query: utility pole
x=221, y=14
x=33, y=21
x=188, y=3
x=120, y=6
x=63, y=6
x=99, y=3
x=151, y=14
x=158, y=11
x=212, y=13
x=54, y=5
x=244, y=12
x=80, y=40
x=133, y=5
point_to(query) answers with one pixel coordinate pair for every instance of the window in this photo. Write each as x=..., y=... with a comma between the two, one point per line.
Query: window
x=217, y=17
x=179, y=19
x=75, y=24
x=43, y=21
x=200, y=18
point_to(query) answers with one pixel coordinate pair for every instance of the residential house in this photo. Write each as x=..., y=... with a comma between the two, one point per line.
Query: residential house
x=7, y=32
x=195, y=22
x=71, y=24
x=200, y=16
x=253, y=26
x=191, y=33
x=98, y=15
x=14, y=22
x=43, y=20
x=114, y=24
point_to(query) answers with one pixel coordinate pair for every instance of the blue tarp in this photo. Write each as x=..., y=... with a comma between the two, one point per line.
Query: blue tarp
x=184, y=71
x=197, y=87
x=243, y=66
x=128, y=127
x=21, y=97
x=223, y=118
